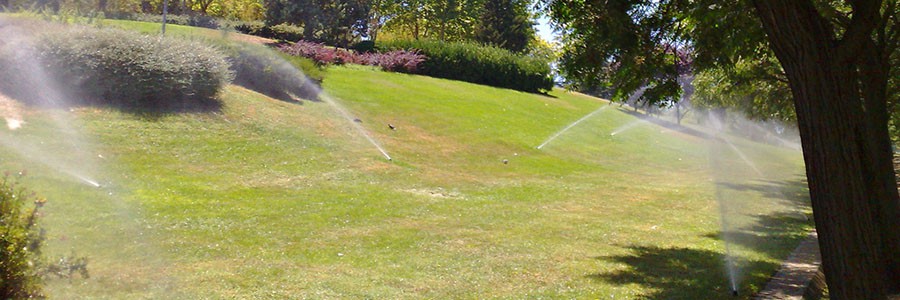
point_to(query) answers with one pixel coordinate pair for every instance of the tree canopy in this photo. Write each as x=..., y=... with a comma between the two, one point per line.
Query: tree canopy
x=506, y=24
x=337, y=22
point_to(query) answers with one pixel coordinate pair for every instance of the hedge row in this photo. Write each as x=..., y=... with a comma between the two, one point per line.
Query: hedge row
x=478, y=64
x=281, y=32
x=187, y=20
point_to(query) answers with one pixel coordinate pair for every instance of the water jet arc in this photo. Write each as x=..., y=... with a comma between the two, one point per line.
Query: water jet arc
x=356, y=125
x=558, y=133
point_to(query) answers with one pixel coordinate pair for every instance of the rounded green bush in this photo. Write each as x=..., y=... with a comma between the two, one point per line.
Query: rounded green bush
x=118, y=67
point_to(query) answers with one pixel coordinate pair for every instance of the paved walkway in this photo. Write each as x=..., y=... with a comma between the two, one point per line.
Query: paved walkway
x=796, y=272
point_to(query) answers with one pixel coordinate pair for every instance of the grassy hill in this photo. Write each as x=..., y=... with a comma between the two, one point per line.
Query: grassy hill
x=269, y=199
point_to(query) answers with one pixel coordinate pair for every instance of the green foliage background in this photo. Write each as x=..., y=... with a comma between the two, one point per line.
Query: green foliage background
x=475, y=63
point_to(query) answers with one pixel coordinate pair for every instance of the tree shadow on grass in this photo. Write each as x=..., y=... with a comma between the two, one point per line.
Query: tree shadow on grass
x=791, y=193
x=676, y=273
x=690, y=273
x=773, y=235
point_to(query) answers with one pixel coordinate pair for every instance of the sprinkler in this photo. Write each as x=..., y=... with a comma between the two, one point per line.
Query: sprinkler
x=734, y=293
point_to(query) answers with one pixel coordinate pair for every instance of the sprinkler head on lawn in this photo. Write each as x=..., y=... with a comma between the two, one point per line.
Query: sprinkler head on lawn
x=734, y=293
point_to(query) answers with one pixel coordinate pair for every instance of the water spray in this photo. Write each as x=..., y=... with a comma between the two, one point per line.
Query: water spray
x=628, y=126
x=570, y=126
x=88, y=181
x=355, y=124
x=13, y=123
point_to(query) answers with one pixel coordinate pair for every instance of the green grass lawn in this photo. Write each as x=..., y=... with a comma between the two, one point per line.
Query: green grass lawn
x=269, y=199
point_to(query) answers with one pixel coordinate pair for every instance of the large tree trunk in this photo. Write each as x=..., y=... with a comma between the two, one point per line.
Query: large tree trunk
x=846, y=148
x=874, y=70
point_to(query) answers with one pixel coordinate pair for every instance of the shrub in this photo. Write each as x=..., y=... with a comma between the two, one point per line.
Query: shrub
x=249, y=27
x=396, y=61
x=479, y=64
x=22, y=267
x=319, y=53
x=309, y=67
x=187, y=20
x=20, y=242
x=122, y=68
x=283, y=32
x=262, y=70
x=364, y=47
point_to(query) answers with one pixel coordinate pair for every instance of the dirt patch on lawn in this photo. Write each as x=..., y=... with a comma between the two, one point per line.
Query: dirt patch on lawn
x=251, y=39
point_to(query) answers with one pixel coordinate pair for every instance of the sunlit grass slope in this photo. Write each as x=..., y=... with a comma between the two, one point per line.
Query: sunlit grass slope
x=268, y=199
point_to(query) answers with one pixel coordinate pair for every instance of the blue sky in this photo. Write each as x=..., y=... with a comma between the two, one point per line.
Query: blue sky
x=544, y=30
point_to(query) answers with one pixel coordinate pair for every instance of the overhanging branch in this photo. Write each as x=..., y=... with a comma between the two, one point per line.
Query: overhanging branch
x=864, y=21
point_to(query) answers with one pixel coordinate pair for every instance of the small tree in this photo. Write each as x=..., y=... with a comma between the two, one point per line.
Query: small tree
x=506, y=24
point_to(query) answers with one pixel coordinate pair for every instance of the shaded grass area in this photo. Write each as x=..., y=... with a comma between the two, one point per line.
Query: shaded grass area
x=267, y=199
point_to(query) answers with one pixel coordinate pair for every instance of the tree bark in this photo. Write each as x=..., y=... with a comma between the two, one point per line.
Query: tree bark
x=874, y=70
x=678, y=113
x=846, y=148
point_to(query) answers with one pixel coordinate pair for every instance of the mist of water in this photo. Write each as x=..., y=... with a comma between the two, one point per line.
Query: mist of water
x=10, y=112
x=743, y=156
x=45, y=92
x=558, y=133
x=777, y=135
x=13, y=123
x=727, y=205
x=54, y=139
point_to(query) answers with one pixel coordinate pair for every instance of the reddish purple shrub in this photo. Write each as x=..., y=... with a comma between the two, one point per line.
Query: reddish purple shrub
x=397, y=61
x=318, y=52
x=394, y=61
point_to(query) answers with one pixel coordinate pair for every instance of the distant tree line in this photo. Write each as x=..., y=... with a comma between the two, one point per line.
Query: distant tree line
x=504, y=23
